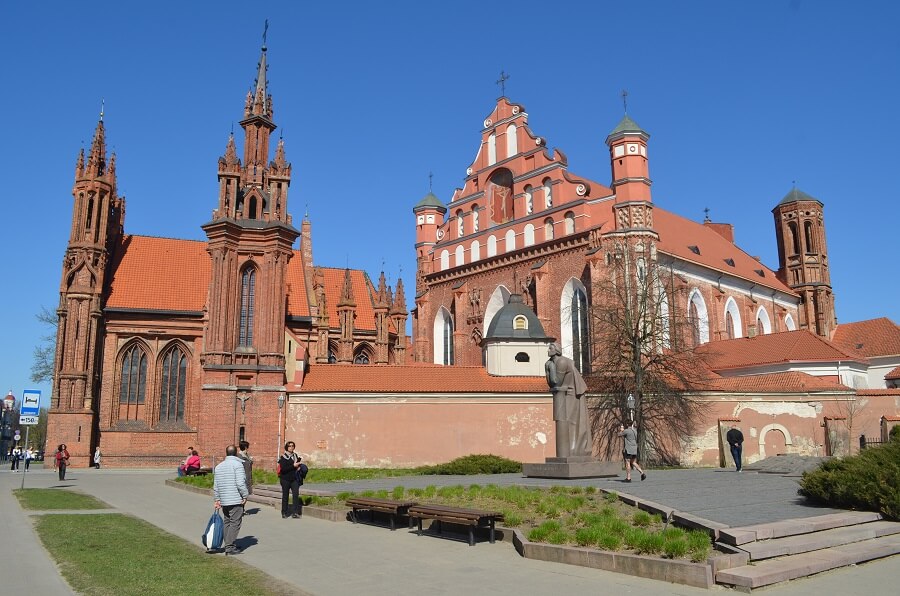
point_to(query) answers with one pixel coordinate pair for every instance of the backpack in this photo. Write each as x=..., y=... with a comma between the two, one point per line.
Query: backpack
x=213, y=536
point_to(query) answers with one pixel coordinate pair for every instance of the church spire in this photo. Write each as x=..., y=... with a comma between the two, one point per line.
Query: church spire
x=261, y=99
x=96, y=165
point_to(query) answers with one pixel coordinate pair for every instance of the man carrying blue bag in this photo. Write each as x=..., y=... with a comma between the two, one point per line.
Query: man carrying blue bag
x=230, y=493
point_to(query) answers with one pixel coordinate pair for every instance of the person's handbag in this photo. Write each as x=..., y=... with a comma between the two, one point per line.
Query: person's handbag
x=214, y=535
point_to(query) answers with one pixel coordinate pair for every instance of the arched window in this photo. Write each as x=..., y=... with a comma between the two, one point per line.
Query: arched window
x=460, y=255
x=498, y=300
x=733, y=327
x=795, y=237
x=548, y=229
x=574, y=326
x=789, y=323
x=362, y=356
x=570, y=222
x=475, y=251
x=248, y=298
x=460, y=226
x=492, y=246
x=134, y=376
x=492, y=149
x=529, y=200
x=510, y=240
x=443, y=337
x=808, y=236
x=475, y=222
x=512, y=146
x=445, y=259
x=763, y=324
x=548, y=193
x=90, y=214
x=520, y=322
x=528, y=237
x=698, y=318
x=172, y=386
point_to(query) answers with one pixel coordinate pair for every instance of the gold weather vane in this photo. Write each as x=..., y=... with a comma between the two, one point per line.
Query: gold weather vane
x=502, y=82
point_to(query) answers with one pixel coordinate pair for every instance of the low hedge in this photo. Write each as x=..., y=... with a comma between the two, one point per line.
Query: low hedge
x=869, y=481
x=473, y=464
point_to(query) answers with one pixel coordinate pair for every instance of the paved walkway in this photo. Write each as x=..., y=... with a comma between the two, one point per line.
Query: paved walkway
x=327, y=558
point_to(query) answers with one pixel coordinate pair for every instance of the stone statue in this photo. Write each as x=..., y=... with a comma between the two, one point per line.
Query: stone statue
x=573, y=431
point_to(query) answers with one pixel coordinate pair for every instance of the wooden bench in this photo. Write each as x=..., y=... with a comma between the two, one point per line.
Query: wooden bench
x=201, y=472
x=373, y=504
x=474, y=518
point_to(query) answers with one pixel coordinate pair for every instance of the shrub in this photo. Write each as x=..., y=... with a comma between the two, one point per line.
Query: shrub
x=609, y=541
x=868, y=481
x=473, y=464
x=634, y=537
x=675, y=548
x=617, y=526
x=512, y=519
x=641, y=519
x=651, y=544
x=590, y=490
x=894, y=435
x=700, y=554
x=559, y=537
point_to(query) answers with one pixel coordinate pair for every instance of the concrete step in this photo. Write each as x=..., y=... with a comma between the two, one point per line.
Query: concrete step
x=781, y=569
x=802, y=543
x=792, y=527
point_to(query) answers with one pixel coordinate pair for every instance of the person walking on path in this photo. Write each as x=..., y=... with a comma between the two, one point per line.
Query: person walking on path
x=230, y=493
x=29, y=455
x=288, y=468
x=61, y=461
x=630, y=451
x=97, y=457
x=244, y=455
x=735, y=440
x=15, y=456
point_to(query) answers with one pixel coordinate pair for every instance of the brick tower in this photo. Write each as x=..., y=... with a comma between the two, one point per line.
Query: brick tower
x=97, y=220
x=803, y=259
x=250, y=242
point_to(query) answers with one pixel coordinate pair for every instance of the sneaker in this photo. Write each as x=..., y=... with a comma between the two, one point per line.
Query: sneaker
x=296, y=516
x=643, y=476
x=234, y=551
x=284, y=515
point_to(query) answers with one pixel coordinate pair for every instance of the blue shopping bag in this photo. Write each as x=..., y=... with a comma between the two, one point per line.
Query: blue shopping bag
x=213, y=536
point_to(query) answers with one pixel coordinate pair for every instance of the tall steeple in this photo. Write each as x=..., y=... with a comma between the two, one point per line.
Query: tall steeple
x=346, y=308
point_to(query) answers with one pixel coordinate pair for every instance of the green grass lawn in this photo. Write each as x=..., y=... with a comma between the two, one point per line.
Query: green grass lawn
x=46, y=499
x=117, y=554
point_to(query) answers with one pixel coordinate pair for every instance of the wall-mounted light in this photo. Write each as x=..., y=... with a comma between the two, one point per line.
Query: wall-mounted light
x=280, y=400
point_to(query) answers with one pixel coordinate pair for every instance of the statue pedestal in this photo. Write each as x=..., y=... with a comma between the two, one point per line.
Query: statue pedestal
x=570, y=468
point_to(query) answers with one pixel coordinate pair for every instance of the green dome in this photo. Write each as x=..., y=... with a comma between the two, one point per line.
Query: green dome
x=626, y=125
x=430, y=200
x=797, y=195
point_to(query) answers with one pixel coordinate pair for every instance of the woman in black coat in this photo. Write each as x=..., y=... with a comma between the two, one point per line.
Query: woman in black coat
x=289, y=474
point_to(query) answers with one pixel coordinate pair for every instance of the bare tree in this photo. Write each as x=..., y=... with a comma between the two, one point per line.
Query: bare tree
x=45, y=351
x=643, y=348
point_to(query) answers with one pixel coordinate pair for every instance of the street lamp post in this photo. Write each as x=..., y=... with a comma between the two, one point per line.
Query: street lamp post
x=280, y=407
x=629, y=402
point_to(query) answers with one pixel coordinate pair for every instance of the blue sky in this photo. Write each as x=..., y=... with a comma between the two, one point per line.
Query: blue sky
x=740, y=99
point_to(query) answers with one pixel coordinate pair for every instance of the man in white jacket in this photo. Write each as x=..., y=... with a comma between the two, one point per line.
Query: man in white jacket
x=230, y=493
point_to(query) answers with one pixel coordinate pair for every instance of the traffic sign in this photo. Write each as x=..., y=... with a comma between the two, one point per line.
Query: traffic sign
x=27, y=421
x=31, y=402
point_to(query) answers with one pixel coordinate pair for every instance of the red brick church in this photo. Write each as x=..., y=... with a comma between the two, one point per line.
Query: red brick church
x=164, y=343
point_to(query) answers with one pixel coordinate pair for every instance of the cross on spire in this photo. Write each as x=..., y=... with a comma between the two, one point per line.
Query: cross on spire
x=502, y=82
x=265, y=31
x=430, y=176
x=706, y=212
x=625, y=100
x=102, y=108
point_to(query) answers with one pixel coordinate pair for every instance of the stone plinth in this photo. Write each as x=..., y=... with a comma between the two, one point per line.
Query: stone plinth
x=569, y=468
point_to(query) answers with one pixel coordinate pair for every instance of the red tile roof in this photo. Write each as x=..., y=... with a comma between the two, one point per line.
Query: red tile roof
x=875, y=337
x=159, y=274
x=297, y=300
x=894, y=374
x=363, y=296
x=677, y=233
x=425, y=378
x=774, y=348
x=787, y=382
x=876, y=392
